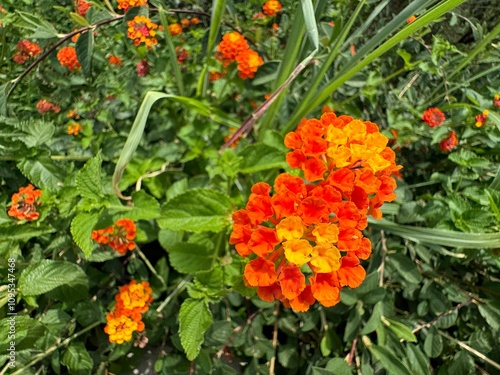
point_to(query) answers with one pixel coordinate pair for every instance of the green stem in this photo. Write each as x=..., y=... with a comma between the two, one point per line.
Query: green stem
x=178, y=289
x=150, y=266
x=37, y=358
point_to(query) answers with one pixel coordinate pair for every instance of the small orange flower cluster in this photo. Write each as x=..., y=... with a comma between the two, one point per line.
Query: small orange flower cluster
x=496, y=100
x=23, y=203
x=411, y=19
x=228, y=137
x=272, y=8
x=186, y=22
x=132, y=301
x=82, y=7
x=115, y=60
x=318, y=225
x=74, y=128
x=433, y=117
x=67, y=58
x=127, y=4
x=449, y=143
x=26, y=49
x=43, y=106
x=480, y=119
x=119, y=236
x=234, y=48
x=175, y=29
x=142, y=30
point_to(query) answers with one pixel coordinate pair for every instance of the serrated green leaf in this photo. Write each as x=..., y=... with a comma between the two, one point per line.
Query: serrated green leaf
x=27, y=331
x=197, y=210
x=145, y=207
x=260, y=157
x=88, y=179
x=433, y=344
x=81, y=229
x=42, y=172
x=190, y=257
x=84, y=50
x=389, y=360
x=402, y=331
x=194, y=320
x=24, y=232
x=36, y=132
x=467, y=158
x=49, y=274
x=77, y=359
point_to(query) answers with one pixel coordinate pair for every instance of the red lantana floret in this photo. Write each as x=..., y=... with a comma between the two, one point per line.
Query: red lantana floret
x=449, y=143
x=316, y=223
x=433, y=117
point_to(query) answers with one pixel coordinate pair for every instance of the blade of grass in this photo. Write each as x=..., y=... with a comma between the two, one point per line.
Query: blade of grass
x=438, y=236
x=171, y=53
x=215, y=22
x=139, y=124
x=350, y=70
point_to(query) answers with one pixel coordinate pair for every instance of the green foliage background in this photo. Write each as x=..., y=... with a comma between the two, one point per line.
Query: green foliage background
x=430, y=302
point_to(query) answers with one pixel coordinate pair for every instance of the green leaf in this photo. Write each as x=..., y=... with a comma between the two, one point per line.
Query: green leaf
x=42, y=172
x=24, y=232
x=37, y=132
x=81, y=229
x=462, y=364
x=190, y=257
x=88, y=179
x=438, y=236
x=433, y=344
x=326, y=344
x=84, y=50
x=374, y=321
x=77, y=359
x=82, y=21
x=466, y=158
x=310, y=19
x=260, y=157
x=145, y=206
x=49, y=274
x=197, y=210
x=491, y=312
x=338, y=366
x=405, y=267
x=389, y=360
x=402, y=331
x=194, y=320
x=3, y=98
x=418, y=361
x=27, y=331
x=42, y=28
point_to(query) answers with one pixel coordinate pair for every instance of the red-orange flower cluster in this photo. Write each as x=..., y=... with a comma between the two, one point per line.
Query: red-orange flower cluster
x=175, y=29
x=316, y=224
x=67, y=57
x=43, y=106
x=132, y=301
x=234, y=48
x=449, y=143
x=496, y=100
x=272, y=8
x=115, y=60
x=24, y=202
x=26, y=49
x=125, y=5
x=74, y=128
x=433, y=117
x=119, y=236
x=82, y=7
x=142, y=30
x=481, y=119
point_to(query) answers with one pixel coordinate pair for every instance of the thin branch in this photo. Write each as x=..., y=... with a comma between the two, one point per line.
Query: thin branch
x=352, y=352
x=178, y=289
x=236, y=331
x=439, y=317
x=272, y=363
x=150, y=266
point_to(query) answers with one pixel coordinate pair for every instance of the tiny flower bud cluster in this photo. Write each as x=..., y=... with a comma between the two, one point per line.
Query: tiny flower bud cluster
x=234, y=48
x=119, y=236
x=305, y=240
x=132, y=301
x=24, y=202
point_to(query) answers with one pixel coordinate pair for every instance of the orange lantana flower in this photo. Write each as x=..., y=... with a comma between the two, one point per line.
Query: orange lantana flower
x=24, y=202
x=119, y=236
x=317, y=223
x=127, y=4
x=175, y=29
x=272, y=7
x=67, y=58
x=142, y=30
x=74, y=128
x=249, y=62
x=433, y=117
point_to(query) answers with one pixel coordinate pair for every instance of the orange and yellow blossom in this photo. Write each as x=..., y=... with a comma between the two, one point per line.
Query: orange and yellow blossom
x=249, y=62
x=272, y=7
x=316, y=223
x=125, y=5
x=175, y=29
x=142, y=30
x=119, y=236
x=74, y=129
x=24, y=202
x=231, y=46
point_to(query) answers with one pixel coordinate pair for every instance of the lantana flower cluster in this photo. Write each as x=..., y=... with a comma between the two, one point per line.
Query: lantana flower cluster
x=24, y=202
x=132, y=301
x=43, y=106
x=67, y=58
x=82, y=7
x=433, y=117
x=305, y=241
x=25, y=50
x=125, y=5
x=142, y=30
x=481, y=118
x=120, y=236
x=272, y=8
x=234, y=48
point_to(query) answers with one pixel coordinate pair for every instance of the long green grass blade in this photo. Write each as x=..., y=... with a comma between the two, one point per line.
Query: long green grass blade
x=215, y=22
x=353, y=69
x=438, y=236
x=312, y=28
x=139, y=124
x=171, y=53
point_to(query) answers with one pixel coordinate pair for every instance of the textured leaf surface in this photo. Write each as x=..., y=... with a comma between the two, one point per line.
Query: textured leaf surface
x=260, y=157
x=197, y=210
x=84, y=49
x=88, y=180
x=190, y=257
x=389, y=361
x=42, y=172
x=194, y=320
x=24, y=232
x=81, y=230
x=49, y=274
x=77, y=359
